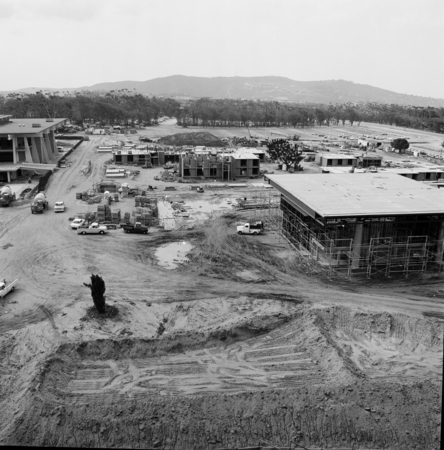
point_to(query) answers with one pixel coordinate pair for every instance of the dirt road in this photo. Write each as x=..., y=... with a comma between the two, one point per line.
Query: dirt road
x=252, y=353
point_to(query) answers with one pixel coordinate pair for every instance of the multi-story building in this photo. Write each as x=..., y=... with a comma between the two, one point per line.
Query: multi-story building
x=219, y=166
x=26, y=142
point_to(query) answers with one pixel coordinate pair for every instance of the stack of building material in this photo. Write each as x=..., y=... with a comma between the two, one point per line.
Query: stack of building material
x=107, y=213
x=127, y=218
x=115, y=216
x=143, y=215
x=104, y=213
x=145, y=201
x=167, y=176
x=94, y=199
x=101, y=217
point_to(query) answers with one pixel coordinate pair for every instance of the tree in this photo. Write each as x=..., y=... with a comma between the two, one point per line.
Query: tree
x=400, y=144
x=282, y=151
x=97, y=287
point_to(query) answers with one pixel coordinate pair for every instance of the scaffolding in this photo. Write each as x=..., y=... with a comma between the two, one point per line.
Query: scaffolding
x=332, y=256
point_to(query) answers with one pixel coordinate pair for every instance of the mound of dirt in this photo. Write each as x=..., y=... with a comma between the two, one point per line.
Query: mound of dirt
x=200, y=138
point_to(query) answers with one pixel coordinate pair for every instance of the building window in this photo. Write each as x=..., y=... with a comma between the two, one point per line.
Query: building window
x=350, y=162
x=130, y=158
x=339, y=162
x=200, y=172
x=186, y=172
x=427, y=175
x=329, y=162
x=118, y=158
x=213, y=171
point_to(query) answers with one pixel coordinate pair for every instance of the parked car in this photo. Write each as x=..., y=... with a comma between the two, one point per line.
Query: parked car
x=59, y=207
x=76, y=223
x=94, y=228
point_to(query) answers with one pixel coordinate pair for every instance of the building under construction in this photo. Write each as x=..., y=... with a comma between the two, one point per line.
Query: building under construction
x=220, y=166
x=367, y=223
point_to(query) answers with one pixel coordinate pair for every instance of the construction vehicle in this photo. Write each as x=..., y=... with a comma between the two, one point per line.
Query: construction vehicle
x=6, y=196
x=5, y=288
x=251, y=228
x=39, y=204
x=94, y=228
x=136, y=228
x=200, y=189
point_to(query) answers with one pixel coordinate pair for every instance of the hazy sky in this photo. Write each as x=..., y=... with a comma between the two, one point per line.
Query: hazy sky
x=391, y=44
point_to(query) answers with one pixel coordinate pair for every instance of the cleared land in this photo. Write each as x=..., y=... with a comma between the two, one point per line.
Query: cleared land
x=255, y=351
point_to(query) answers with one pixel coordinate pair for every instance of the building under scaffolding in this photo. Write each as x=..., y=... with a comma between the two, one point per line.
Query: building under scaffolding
x=367, y=223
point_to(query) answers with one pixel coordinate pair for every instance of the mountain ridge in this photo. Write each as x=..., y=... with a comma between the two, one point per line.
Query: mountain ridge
x=272, y=88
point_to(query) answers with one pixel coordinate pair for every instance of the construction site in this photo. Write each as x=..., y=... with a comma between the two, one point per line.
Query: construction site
x=299, y=310
x=363, y=223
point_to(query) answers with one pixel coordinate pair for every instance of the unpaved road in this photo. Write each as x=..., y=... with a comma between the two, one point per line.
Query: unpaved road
x=275, y=357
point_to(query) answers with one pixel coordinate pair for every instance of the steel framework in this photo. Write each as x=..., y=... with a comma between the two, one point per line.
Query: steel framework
x=321, y=253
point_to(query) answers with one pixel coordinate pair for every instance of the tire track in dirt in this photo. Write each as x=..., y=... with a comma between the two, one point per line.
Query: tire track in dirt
x=49, y=316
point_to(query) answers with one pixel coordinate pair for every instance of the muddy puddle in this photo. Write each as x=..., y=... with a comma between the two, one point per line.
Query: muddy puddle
x=171, y=255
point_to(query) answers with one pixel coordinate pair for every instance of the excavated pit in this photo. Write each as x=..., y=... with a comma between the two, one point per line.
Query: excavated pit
x=314, y=377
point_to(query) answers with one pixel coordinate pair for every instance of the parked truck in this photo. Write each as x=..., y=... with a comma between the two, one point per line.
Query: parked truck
x=251, y=228
x=6, y=196
x=6, y=287
x=136, y=228
x=39, y=204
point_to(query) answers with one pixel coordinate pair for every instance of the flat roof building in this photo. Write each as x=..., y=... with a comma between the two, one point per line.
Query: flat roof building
x=25, y=142
x=334, y=160
x=367, y=222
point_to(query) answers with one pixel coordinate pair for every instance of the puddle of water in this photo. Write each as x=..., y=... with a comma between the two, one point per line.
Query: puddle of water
x=173, y=254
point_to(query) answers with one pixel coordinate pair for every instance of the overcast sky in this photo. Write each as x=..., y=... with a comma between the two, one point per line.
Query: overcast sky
x=391, y=44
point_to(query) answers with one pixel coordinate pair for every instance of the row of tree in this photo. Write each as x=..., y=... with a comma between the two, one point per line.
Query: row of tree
x=107, y=108
x=123, y=105
x=247, y=113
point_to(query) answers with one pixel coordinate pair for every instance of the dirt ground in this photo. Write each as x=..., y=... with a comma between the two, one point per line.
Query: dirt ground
x=252, y=353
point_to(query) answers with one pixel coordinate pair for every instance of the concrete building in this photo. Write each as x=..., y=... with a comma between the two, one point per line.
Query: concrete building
x=219, y=166
x=333, y=160
x=129, y=155
x=259, y=152
x=27, y=144
x=414, y=173
x=371, y=222
x=365, y=161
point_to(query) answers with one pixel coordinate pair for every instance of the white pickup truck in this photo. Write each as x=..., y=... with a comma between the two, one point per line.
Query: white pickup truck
x=94, y=228
x=251, y=228
x=5, y=288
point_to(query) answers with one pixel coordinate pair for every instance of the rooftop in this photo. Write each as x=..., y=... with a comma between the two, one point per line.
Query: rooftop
x=244, y=156
x=337, y=156
x=25, y=126
x=363, y=194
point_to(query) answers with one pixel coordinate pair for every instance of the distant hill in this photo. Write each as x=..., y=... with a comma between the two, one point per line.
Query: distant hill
x=263, y=88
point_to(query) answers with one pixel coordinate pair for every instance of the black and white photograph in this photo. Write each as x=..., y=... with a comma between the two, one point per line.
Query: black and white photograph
x=222, y=224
